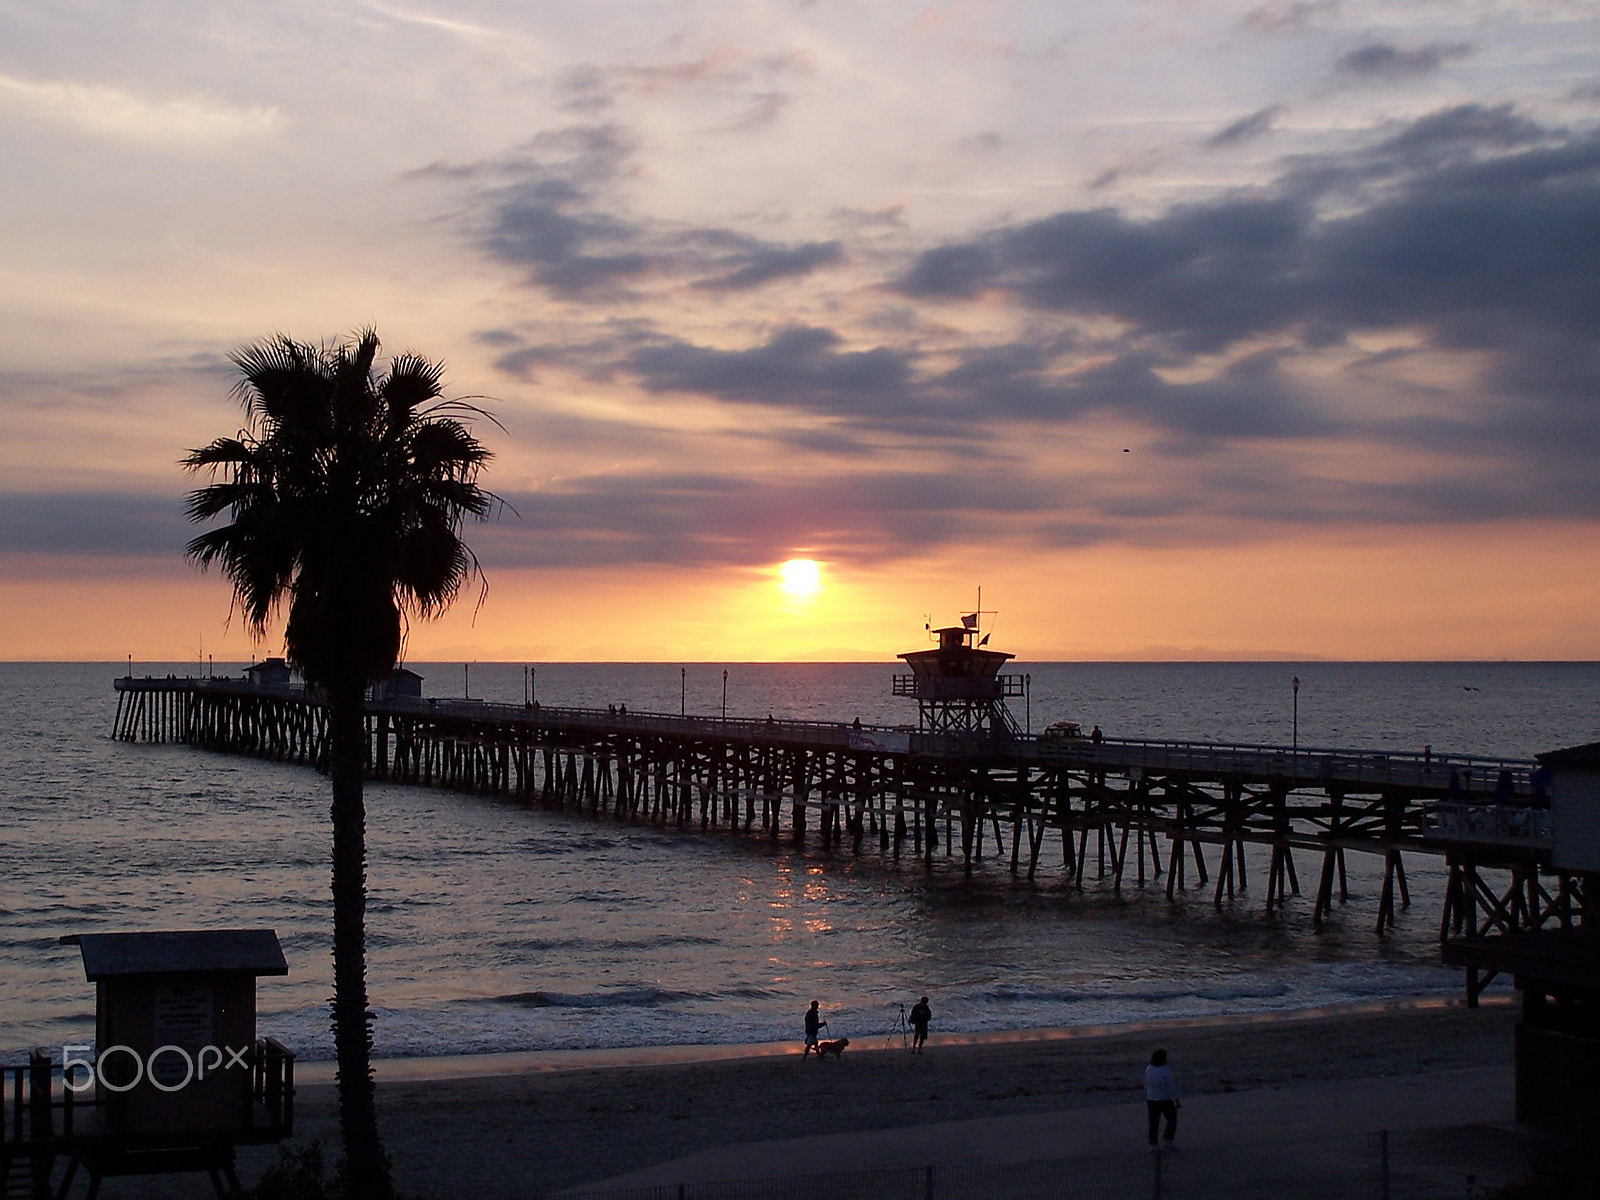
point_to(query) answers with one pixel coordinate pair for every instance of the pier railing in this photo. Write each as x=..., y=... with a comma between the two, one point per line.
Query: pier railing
x=1453, y=776
x=1490, y=824
x=1305, y=766
x=816, y=733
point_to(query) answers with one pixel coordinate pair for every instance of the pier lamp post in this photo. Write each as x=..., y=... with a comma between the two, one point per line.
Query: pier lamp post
x=1294, y=690
x=724, y=693
x=683, y=691
x=466, y=680
x=533, y=683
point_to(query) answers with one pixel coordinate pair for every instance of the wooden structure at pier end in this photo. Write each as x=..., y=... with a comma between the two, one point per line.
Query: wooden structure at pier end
x=958, y=686
x=963, y=787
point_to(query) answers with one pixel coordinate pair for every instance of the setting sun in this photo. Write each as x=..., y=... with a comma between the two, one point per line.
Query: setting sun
x=800, y=577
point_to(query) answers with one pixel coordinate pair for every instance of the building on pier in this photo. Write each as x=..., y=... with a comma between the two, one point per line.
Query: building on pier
x=270, y=673
x=402, y=684
x=958, y=686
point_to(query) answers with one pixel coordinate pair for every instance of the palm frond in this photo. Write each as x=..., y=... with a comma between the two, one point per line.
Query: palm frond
x=344, y=499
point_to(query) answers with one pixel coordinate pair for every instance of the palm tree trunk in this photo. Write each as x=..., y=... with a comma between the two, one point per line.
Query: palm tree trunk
x=367, y=1165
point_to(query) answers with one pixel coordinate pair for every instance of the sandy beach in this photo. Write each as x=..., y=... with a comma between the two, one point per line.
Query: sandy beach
x=553, y=1122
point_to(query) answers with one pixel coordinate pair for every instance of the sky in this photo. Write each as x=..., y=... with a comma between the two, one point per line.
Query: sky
x=1185, y=330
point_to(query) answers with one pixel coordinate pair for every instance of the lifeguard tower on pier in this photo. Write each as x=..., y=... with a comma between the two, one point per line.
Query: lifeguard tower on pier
x=958, y=686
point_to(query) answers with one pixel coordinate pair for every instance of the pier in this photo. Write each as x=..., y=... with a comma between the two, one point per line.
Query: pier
x=1112, y=813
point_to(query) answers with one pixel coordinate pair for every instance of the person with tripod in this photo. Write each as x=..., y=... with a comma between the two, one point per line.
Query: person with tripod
x=921, y=1014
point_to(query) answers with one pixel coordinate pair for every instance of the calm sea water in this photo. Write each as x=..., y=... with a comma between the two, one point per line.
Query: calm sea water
x=492, y=927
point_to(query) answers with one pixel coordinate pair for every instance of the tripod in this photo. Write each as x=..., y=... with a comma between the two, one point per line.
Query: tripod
x=900, y=1030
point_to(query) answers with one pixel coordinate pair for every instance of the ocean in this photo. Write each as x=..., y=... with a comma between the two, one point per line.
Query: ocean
x=493, y=927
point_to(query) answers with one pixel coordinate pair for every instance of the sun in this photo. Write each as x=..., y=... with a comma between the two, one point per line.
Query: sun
x=800, y=578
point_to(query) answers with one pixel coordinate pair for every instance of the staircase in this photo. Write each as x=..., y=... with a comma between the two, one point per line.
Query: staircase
x=16, y=1178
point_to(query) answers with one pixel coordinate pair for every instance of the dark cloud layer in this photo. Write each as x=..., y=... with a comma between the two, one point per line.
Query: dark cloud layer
x=1471, y=225
x=1471, y=230
x=683, y=518
x=1463, y=243
x=115, y=524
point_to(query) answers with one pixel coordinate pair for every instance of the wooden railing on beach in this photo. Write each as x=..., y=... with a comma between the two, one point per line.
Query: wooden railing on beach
x=43, y=1121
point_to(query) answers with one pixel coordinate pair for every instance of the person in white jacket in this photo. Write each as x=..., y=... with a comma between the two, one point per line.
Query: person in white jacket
x=1161, y=1097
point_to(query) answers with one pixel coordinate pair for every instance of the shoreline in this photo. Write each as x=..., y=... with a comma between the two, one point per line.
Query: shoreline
x=449, y=1067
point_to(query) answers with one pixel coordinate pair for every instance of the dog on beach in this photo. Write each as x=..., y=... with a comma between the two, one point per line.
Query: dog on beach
x=833, y=1046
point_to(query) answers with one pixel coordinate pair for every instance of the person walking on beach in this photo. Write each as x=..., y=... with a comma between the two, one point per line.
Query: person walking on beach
x=1161, y=1098
x=921, y=1014
x=814, y=1025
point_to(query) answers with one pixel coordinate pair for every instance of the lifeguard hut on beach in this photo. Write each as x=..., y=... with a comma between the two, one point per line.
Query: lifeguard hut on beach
x=958, y=686
x=176, y=1077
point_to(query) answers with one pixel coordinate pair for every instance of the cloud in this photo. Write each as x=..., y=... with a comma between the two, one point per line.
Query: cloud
x=660, y=518
x=1465, y=215
x=462, y=29
x=748, y=82
x=801, y=366
x=127, y=116
x=1465, y=130
x=965, y=407
x=1382, y=62
x=1404, y=332
x=763, y=111
x=1297, y=14
x=756, y=263
x=980, y=143
x=547, y=209
x=1245, y=129
x=1203, y=275
x=108, y=524
x=1467, y=232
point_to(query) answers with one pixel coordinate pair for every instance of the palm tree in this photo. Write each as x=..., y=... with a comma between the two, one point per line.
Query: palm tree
x=345, y=495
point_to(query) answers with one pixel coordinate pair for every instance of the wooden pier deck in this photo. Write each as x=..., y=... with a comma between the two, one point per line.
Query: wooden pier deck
x=1122, y=812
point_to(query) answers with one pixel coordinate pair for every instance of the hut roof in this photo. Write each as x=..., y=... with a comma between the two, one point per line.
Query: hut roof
x=1587, y=755
x=180, y=952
